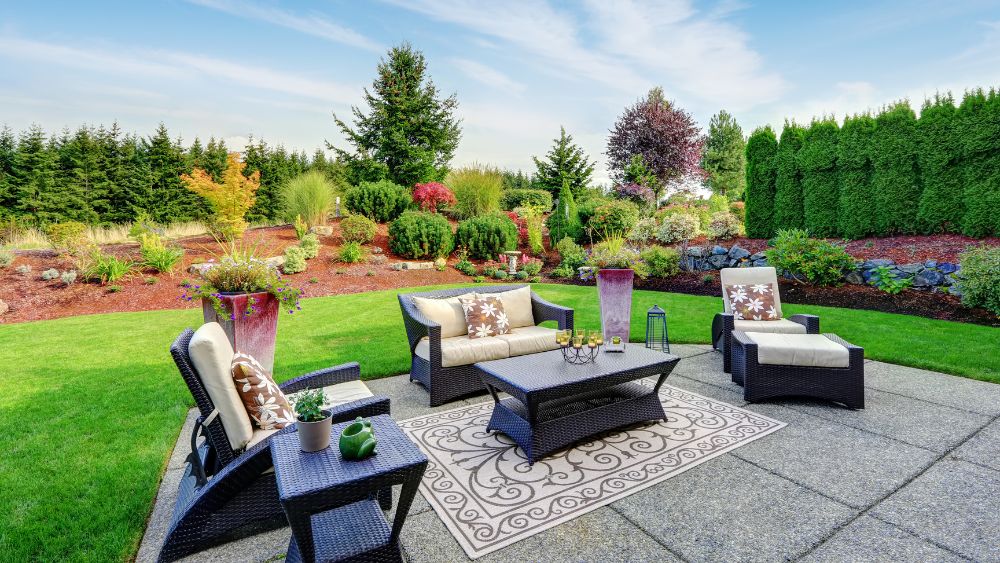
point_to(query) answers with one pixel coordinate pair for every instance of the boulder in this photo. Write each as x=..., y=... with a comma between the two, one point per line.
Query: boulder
x=4, y=307
x=947, y=267
x=928, y=278
x=717, y=250
x=875, y=263
x=376, y=250
x=931, y=264
x=440, y=263
x=738, y=253
x=275, y=262
x=950, y=279
x=758, y=256
x=413, y=266
x=760, y=263
x=200, y=269
x=322, y=230
x=696, y=251
x=855, y=277
x=913, y=268
x=716, y=261
x=866, y=275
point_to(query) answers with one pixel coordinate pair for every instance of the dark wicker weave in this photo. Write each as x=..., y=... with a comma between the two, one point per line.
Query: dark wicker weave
x=554, y=403
x=763, y=381
x=328, y=500
x=722, y=330
x=449, y=383
x=227, y=494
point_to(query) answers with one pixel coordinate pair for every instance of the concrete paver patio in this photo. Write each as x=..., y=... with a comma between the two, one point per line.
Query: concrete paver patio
x=912, y=477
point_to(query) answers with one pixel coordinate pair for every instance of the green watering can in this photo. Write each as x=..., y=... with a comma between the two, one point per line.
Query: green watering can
x=357, y=441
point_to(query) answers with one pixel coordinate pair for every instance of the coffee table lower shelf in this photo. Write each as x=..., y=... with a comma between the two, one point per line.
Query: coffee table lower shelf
x=358, y=531
x=562, y=422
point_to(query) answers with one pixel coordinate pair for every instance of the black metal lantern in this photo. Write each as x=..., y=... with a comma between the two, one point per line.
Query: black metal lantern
x=656, y=330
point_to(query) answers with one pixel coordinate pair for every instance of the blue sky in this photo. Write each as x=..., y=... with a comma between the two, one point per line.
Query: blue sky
x=232, y=68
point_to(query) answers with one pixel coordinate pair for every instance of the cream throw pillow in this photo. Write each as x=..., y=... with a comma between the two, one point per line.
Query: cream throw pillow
x=517, y=305
x=446, y=312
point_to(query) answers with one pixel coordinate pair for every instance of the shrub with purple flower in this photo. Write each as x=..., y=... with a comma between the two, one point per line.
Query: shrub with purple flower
x=636, y=193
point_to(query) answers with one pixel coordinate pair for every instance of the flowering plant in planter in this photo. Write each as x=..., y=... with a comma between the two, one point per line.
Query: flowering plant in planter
x=612, y=254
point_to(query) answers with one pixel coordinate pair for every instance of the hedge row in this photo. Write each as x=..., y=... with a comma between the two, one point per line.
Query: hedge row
x=888, y=174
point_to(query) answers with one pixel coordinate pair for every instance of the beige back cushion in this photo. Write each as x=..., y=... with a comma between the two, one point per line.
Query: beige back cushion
x=446, y=312
x=212, y=356
x=517, y=305
x=734, y=276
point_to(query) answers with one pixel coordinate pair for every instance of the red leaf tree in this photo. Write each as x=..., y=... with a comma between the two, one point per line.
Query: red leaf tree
x=664, y=135
x=432, y=195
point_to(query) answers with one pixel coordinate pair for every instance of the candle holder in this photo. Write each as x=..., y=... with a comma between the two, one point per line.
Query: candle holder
x=579, y=349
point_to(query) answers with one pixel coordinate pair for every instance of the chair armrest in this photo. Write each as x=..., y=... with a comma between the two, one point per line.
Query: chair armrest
x=811, y=322
x=722, y=324
x=543, y=311
x=748, y=345
x=323, y=377
x=369, y=406
x=417, y=325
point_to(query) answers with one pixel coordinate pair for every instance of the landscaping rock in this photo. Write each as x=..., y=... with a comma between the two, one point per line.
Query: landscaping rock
x=928, y=278
x=717, y=261
x=913, y=268
x=440, y=263
x=376, y=250
x=696, y=251
x=758, y=256
x=276, y=261
x=855, y=277
x=4, y=307
x=377, y=259
x=761, y=263
x=866, y=275
x=931, y=264
x=950, y=279
x=947, y=268
x=413, y=266
x=738, y=253
x=322, y=230
x=200, y=269
x=719, y=250
x=870, y=264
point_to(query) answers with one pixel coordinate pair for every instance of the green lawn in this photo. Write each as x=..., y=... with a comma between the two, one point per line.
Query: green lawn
x=94, y=403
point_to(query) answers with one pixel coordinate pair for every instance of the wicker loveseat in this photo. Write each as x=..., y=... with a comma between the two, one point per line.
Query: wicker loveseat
x=725, y=323
x=442, y=354
x=228, y=490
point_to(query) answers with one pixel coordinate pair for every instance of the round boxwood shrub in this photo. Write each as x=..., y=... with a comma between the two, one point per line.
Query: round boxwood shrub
x=381, y=201
x=661, y=262
x=540, y=200
x=614, y=217
x=419, y=234
x=485, y=237
x=358, y=228
x=806, y=259
x=980, y=278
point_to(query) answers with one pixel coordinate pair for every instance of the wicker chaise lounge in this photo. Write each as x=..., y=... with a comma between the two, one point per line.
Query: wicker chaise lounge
x=228, y=490
x=449, y=373
x=725, y=323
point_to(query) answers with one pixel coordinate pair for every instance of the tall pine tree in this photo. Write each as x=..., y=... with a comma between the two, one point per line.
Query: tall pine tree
x=820, y=192
x=854, y=163
x=564, y=163
x=724, y=160
x=168, y=199
x=788, y=182
x=35, y=175
x=895, y=179
x=409, y=134
x=761, y=153
x=942, y=205
x=8, y=182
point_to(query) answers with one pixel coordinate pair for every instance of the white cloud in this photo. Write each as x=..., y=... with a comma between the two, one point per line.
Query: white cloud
x=314, y=24
x=488, y=76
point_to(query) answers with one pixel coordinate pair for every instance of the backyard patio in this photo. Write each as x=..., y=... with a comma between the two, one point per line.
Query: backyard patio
x=911, y=477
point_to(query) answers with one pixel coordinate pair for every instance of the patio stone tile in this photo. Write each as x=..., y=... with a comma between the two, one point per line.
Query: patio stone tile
x=951, y=390
x=855, y=467
x=954, y=504
x=419, y=505
x=869, y=540
x=935, y=427
x=706, y=368
x=268, y=546
x=159, y=519
x=983, y=448
x=411, y=399
x=731, y=396
x=687, y=350
x=601, y=535
x=729, y=510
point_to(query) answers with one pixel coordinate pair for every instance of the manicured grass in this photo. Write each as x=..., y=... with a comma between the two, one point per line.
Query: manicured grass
x=94, y=403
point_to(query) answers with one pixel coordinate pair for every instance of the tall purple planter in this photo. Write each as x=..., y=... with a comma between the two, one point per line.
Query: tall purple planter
x=614, y=287
x=252, y=334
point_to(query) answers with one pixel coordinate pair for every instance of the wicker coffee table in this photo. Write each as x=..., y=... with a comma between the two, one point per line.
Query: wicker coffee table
x=553, y=403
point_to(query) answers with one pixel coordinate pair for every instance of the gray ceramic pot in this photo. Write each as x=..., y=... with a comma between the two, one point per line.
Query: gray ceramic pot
x=315, y=436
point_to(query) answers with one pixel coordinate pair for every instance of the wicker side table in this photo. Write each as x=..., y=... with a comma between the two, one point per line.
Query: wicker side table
x=331, y=503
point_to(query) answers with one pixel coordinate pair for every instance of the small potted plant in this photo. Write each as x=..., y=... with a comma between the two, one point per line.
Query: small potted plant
x=313, y=422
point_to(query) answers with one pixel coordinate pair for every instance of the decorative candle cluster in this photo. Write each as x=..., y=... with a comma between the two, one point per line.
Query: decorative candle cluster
x=581, y=346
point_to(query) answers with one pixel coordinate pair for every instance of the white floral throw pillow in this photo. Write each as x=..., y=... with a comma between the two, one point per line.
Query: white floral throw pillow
x=485, y=317
x=752, y=302
x=265, y=402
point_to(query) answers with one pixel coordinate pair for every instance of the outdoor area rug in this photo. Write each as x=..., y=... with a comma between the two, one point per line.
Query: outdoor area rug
x=481, y=486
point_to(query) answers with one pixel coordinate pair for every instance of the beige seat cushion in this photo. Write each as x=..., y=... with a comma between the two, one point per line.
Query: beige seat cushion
x=750, y=276
x=517, y=305
x=259, y=436
x=462, y=350
x=813, y=350
x=530, y=340
x=782, y=326
x=345, y=392
x=212, y=356
x=446, y=312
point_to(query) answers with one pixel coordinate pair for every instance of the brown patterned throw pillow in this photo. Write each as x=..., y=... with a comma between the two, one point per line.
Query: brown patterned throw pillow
x=753, y=302
x=485, y=317
x=265, y=402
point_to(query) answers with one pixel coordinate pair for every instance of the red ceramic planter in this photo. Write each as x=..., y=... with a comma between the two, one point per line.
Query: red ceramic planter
x=251, y=334
x=614, y=288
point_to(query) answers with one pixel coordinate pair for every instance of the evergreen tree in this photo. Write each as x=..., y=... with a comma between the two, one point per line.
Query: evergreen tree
x=724, y=160
x=565, y=220
x=979, y=119
x=196, y=155
x=788, y=213
x=637, y=172
x=8, y=182
x=854, y=163
x=81, y=178
x=942, y=205
x=409, y=135
x=761, y=152
x=168, y=199
x=34, y=173
x=818, y=164
x=895, y=180
x=131, y=180
x=565, y=163
x=214, y=161
x=517, y=180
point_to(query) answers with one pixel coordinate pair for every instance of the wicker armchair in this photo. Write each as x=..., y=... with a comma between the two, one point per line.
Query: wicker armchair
x=724, y=323
x=449, y=383
x=227, y=494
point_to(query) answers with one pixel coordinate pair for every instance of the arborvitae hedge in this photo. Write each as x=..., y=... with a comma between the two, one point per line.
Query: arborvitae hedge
x=818, y=165
x=762, y=147
x=788, y=182
x=855, y=214
x=897, y=186
x=979, y=119
x=941, y=204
